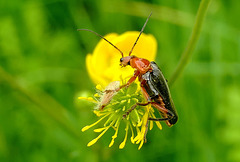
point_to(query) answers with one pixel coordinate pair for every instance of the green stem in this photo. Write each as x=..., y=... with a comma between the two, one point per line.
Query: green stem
x=46, y=103
x=186, y=56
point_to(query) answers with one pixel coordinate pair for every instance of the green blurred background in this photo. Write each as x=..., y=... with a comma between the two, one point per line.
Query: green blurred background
x=42, y=72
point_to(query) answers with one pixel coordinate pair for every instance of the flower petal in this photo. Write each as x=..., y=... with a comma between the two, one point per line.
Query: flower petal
x=103, y=65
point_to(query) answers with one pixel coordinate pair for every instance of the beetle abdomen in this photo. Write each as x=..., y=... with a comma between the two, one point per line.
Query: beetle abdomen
x=156, y=85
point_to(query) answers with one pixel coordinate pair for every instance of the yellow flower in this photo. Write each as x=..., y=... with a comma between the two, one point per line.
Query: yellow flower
x=114, y=108
x=118, y=104
x=103, y=65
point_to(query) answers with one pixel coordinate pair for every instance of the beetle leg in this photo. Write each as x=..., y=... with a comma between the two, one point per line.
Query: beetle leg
x=145, y=94
x=145, y=134
x=167, y=113
x=170, y=115
x=130, y=81
x=160, y=106
x=133, y=107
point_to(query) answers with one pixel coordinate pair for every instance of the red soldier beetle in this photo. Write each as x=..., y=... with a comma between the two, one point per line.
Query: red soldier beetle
x=152, y=81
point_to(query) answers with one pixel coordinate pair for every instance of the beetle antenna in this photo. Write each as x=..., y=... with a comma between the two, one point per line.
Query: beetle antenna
x=140, y=34
x=102, y=38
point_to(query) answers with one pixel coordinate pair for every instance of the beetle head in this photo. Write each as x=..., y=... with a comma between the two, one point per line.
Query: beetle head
x=124, y=61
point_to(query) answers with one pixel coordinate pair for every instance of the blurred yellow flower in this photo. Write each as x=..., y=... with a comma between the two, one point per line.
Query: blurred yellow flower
x=103, y=64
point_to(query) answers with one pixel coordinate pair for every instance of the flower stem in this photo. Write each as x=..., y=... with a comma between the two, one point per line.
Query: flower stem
x=186, y=56
x=45, y=102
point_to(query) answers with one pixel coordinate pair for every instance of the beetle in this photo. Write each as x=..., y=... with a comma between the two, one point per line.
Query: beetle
x=153, y=84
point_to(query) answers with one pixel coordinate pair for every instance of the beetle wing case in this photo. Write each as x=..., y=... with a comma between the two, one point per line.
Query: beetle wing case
x=156, y=85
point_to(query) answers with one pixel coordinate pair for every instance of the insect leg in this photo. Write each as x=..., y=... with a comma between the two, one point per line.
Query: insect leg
x=130, y=81
x=133, y=107
x=144, y=92
x=160, y=106
x=145, y=134
x=154, y=104
x=165, y=111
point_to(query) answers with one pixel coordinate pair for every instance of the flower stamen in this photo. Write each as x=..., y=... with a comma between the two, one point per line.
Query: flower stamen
x=89, y=126
x=136, y=120
x=122, y=145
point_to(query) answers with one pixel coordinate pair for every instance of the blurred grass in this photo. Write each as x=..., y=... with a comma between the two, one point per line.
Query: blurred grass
x=42, y=53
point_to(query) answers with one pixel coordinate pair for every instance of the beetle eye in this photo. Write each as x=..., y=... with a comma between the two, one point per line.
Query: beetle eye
x=121, y=59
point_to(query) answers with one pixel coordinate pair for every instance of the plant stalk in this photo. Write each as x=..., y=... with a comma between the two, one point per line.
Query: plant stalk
x=187, y=54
